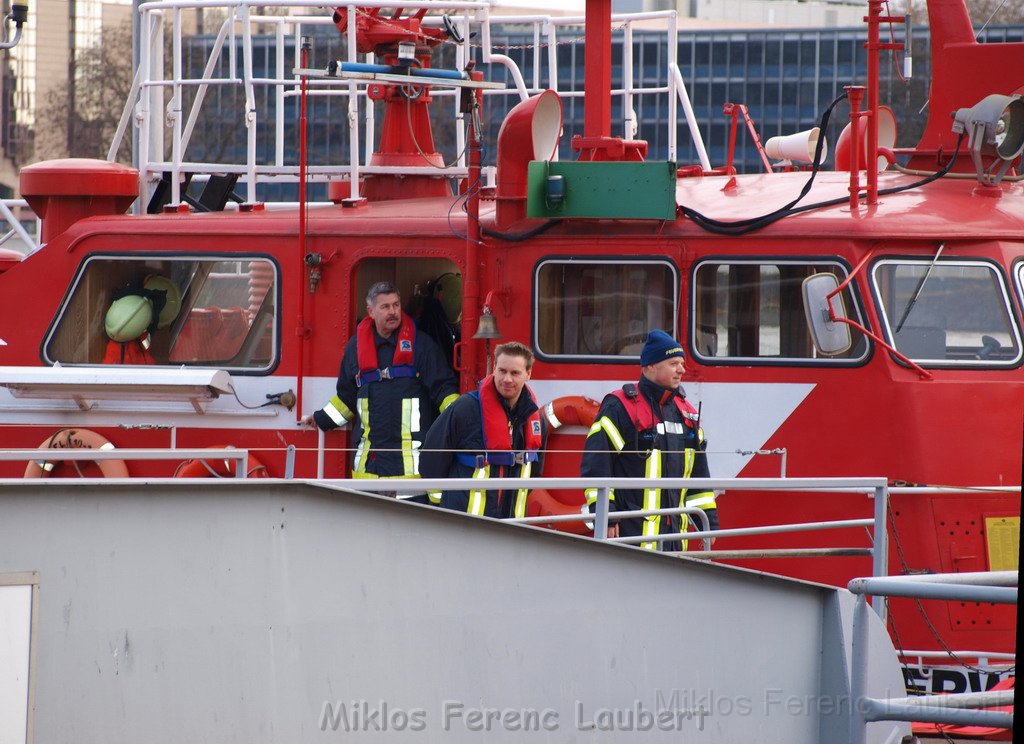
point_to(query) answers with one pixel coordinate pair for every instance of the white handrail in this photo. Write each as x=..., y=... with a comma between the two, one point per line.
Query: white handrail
x=238, y=32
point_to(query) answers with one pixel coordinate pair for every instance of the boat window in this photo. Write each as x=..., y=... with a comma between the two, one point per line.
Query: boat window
x=753, y=311
x=602, y=309
x=947, y=312
x=1018, y=269
x=215, y=312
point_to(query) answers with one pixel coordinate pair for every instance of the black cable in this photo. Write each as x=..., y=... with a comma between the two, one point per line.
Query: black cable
x=517, y=237
x=741, y=227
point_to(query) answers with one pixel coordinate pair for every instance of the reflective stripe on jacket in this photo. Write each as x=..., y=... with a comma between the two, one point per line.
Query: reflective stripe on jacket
x=459, y=430
x=391, y=416
x=617, y=448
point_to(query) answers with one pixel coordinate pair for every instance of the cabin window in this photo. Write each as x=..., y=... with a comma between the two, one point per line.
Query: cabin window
x=217, y=313
x=754, y=311
x=947, y=312
x=602, y=309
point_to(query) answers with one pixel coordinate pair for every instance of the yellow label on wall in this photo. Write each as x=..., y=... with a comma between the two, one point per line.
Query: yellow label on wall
x=1002, y=537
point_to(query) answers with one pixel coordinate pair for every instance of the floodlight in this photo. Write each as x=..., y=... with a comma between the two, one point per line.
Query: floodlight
x=995, y=124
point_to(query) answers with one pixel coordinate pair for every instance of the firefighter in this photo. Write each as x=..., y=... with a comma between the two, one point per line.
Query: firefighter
x=493, y=432
x=649, y=430
x=392, y=383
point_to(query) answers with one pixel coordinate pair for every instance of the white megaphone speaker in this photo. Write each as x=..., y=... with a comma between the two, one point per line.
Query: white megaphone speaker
x=886, y=139
x=797, y=148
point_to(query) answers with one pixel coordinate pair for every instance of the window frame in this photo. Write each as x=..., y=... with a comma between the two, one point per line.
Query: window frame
x=856, y=312
x=211, y=257
x=996, y=269
x=594, y=260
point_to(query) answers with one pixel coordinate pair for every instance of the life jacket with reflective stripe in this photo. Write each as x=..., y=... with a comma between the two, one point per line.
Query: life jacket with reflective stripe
x=495, y=429
x=641, y=413
x=366, y=353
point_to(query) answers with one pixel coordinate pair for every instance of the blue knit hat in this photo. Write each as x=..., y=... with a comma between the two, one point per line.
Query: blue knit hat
x=658, y=346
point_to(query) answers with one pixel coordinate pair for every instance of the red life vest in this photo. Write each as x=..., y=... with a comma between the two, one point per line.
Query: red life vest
x=495, y=429
x=641, y=413
x=130, y=352
x=366, y=353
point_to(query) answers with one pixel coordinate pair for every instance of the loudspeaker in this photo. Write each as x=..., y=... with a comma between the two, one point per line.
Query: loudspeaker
x=886, y=139
x=797, y=147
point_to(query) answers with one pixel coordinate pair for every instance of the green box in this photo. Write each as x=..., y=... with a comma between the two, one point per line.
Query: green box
x=605, y=190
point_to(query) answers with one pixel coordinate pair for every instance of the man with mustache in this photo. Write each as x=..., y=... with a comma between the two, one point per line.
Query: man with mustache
x=495, y=431
x=393, y=381
x=649, y=430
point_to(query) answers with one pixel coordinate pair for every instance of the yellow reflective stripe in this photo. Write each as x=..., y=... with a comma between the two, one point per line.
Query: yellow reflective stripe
x=478, y=498
x=449, y=400
x=705, y=500
x=408, y=466
x=689, y=456
x=594, y=428
x=364, y=443
x=591, y=494
x=522, y=493
x=652, y=499
x=434, y=496
x=337, y=411
x=385, y=477
x=612, y=432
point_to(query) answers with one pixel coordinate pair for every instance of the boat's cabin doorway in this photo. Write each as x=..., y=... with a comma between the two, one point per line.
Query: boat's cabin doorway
x=431, y=290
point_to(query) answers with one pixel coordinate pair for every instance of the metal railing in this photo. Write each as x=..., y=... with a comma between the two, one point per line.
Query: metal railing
x=15, y=228
x=999, y=587
x=57, y=454
x=235, y=36
x=603, y=516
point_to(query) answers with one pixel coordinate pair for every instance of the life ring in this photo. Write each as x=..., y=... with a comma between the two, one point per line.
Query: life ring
x=215, y=468
x=542, y=503
x=571, y=410
x=76, y=439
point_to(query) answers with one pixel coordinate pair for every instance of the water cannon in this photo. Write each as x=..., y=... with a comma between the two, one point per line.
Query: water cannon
x=19, y=17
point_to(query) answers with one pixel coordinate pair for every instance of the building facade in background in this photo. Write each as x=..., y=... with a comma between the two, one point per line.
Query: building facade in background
x=57, y=32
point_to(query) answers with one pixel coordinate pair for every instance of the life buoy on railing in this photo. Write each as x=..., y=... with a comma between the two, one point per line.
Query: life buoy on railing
x=76, y=439
x=570, y=410
x=217, y=468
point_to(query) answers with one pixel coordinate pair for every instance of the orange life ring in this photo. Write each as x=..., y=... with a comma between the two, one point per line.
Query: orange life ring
x=571, y=410
x=76, y=439
x=215, y=468
x=542, y=503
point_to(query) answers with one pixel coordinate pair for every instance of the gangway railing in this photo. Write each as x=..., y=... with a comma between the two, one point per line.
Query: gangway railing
x=239, y=456
x=249, y=20
x=998, y=587
x=874, y=487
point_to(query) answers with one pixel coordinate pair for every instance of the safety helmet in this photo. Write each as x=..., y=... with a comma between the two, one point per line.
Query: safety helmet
x=172, y=306
x=128, y=318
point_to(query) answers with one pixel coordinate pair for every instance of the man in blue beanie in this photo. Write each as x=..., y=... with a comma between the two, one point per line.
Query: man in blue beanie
x=649, y=430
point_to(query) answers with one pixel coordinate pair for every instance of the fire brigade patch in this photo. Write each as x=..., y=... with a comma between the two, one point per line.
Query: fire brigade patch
x=405, y=345
x=536, y=428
